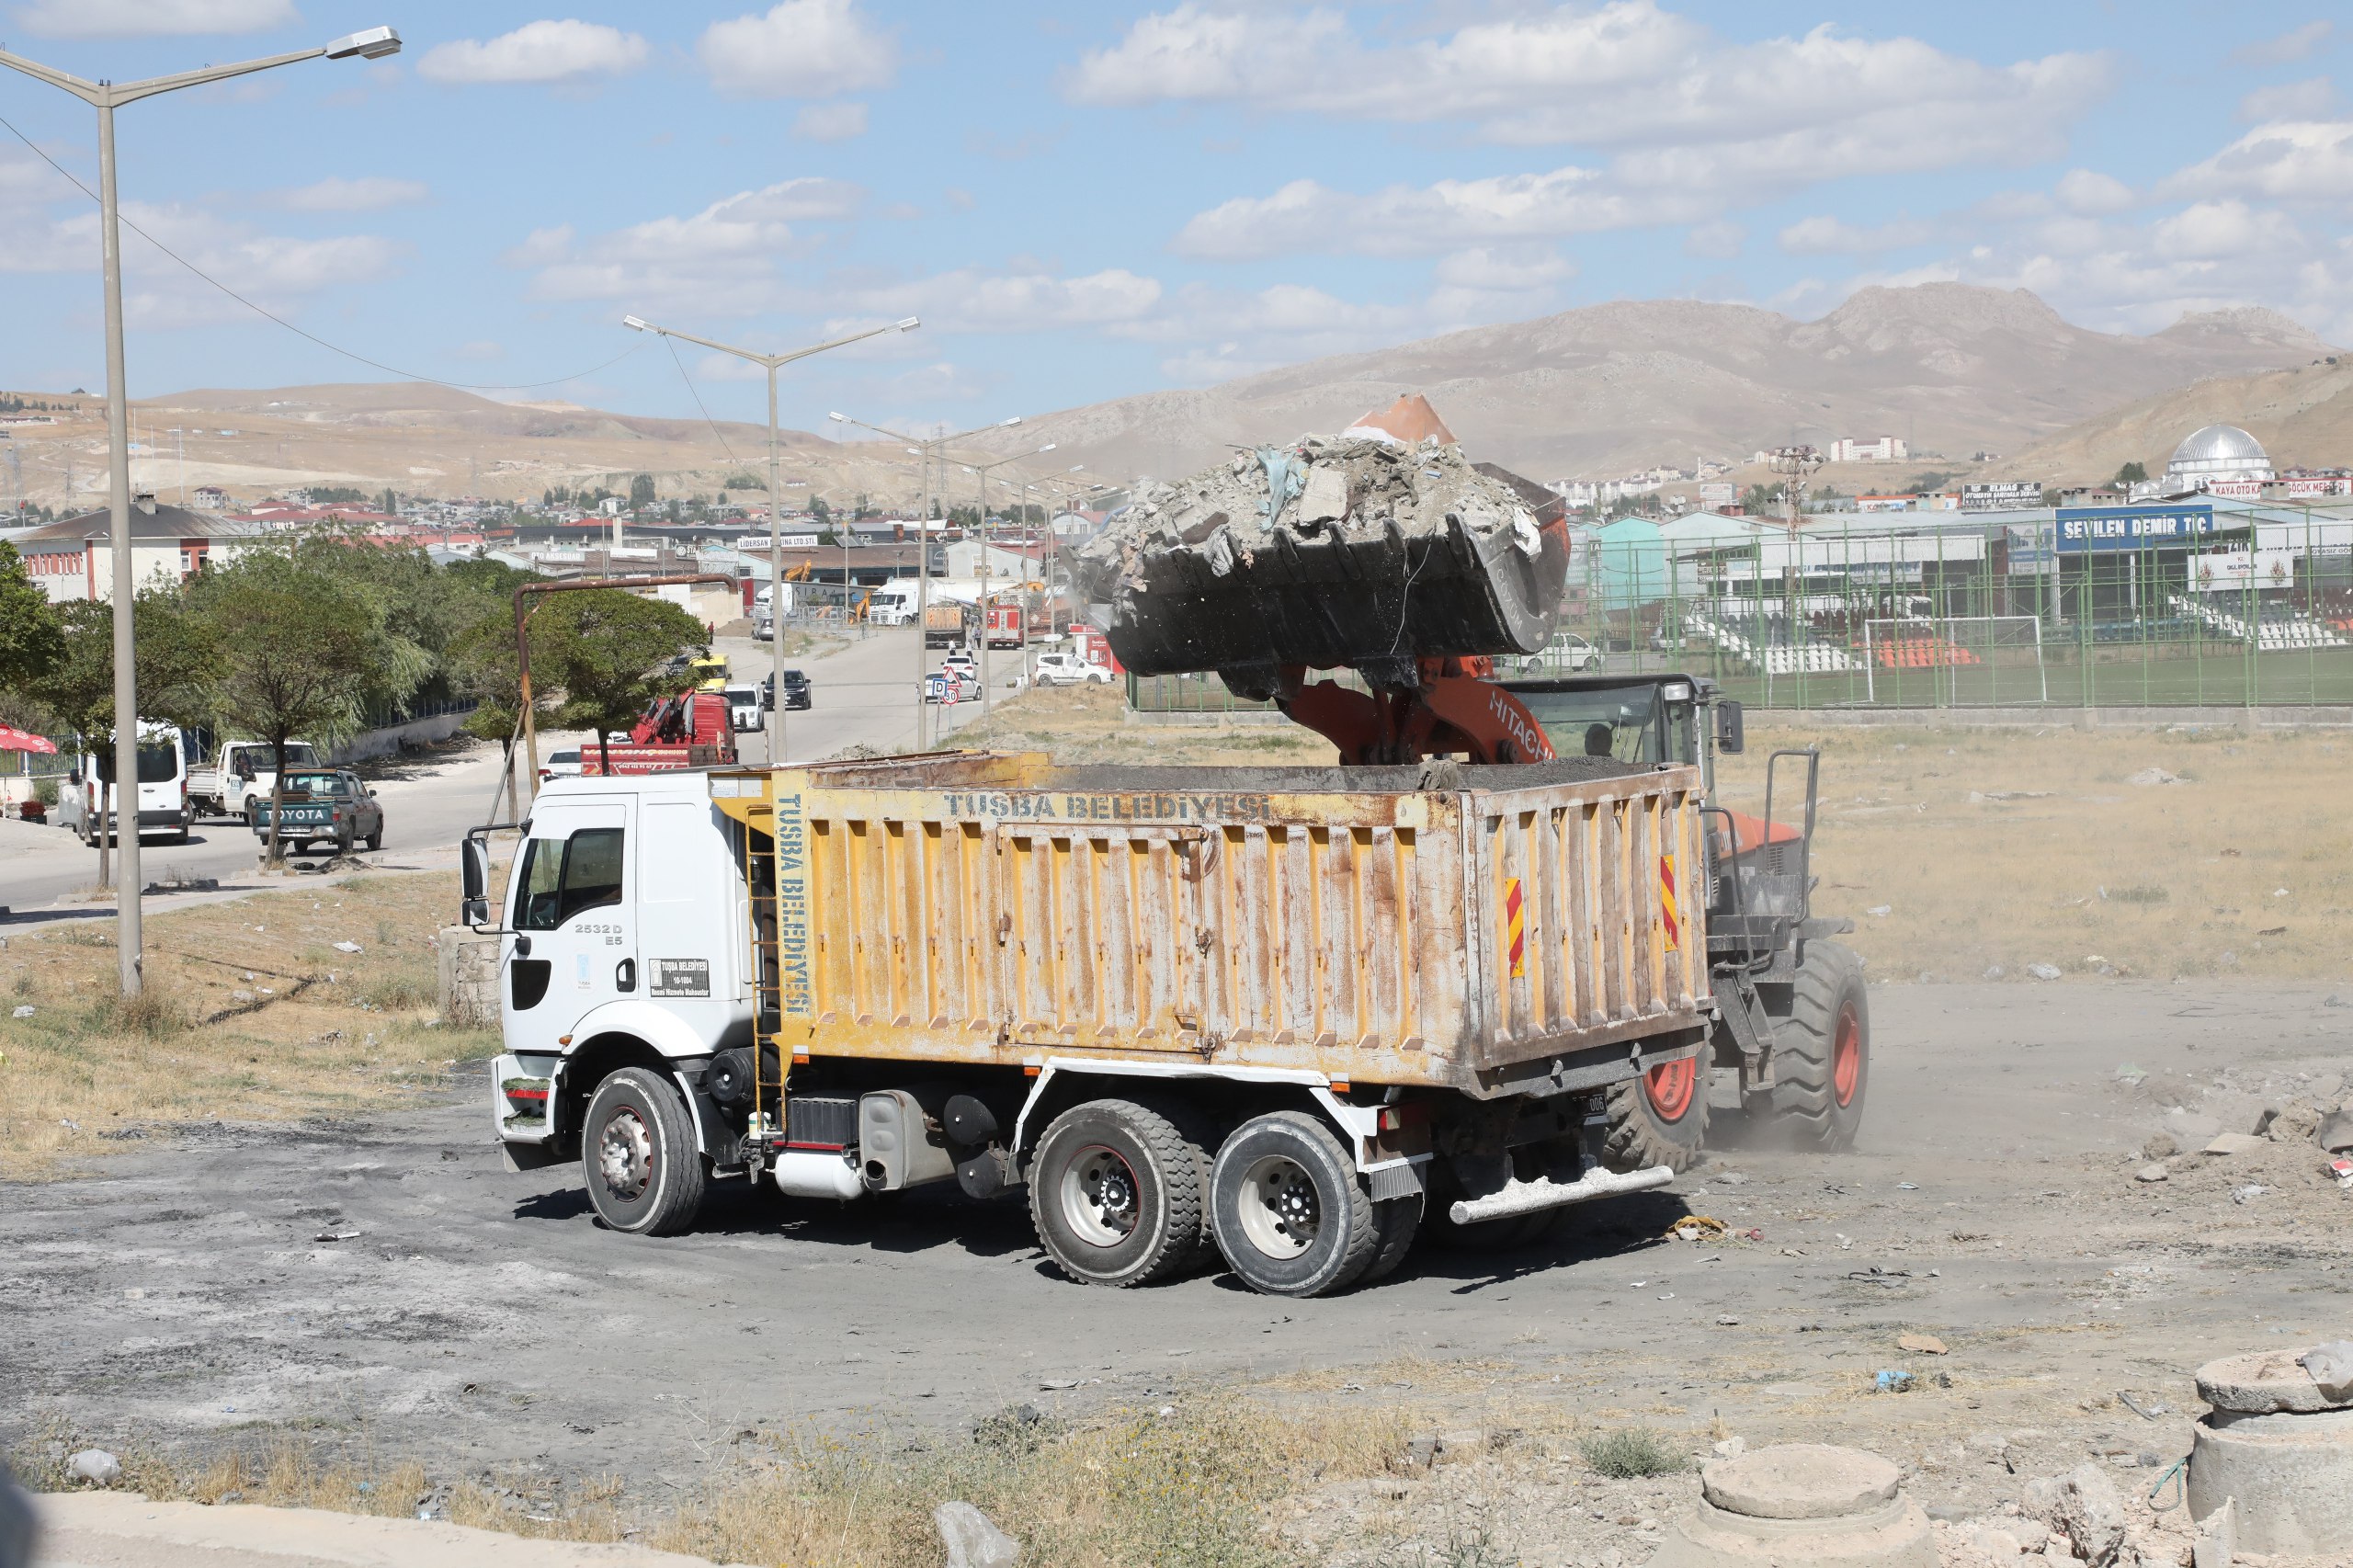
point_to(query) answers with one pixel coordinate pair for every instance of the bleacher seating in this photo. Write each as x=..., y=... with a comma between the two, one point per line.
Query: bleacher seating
x=1763, y=642
x=2277, y=627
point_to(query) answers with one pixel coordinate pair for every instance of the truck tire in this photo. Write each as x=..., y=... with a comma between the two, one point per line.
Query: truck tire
x=644, y=1174
x=1822, y=1051
x=1658, y=1118
x=1116, y=1193
x=376, y=839
x=1398, y=1221
x=1291, y=1214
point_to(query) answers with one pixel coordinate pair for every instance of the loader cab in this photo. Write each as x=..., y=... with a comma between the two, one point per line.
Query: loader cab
x=1649, y=720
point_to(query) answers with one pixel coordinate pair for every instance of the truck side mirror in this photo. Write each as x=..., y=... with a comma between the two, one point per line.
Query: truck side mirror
x=474, y=877
x=1730, y=732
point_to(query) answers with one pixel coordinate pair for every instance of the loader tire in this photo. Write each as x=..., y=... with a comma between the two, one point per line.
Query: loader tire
x=1291, y=1214
x=1822, y=1051
x=1658, y=1118
x=638, y=1156
x=1116, y=1191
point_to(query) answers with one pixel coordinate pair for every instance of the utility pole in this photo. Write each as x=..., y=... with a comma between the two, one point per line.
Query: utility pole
x=772, y=362
x=374, y=43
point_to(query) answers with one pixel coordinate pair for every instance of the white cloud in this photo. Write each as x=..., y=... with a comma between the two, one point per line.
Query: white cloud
x=368, y=193
x=146, y=18
x=2311, y=99
x=1822, y=235
x=1626, y=74
x=1505, y=268
x=830, y=122
x=723, y=257
x=1305, y=216
x=2293, y=44
x=537, y=52
x=2288, y=161
x=801, y=49
x=2089, y=192
x=1719, y=240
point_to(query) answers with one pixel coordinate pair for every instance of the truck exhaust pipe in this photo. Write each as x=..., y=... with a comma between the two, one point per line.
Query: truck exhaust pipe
x=1526, y=1197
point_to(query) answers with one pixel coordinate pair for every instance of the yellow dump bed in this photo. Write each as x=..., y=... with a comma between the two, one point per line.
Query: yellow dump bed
x=1519, y=926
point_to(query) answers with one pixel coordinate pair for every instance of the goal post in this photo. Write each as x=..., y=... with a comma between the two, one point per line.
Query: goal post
x=1950, y=648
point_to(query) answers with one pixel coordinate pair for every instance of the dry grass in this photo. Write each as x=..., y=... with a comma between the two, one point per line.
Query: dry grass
x=315, y=1032
x=2000, y=848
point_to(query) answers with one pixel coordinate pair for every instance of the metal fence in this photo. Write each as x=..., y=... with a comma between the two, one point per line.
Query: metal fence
x=2254, y=609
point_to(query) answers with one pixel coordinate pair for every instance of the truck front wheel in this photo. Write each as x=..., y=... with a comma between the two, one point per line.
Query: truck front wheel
x=644, y=1173
x=1822, y=1051
x=1658, y=1117
x=1117, y=1192
x=1289, y=1214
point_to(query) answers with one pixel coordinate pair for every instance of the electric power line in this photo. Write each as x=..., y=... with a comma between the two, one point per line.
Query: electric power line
x=299, y=332
x=698, y=397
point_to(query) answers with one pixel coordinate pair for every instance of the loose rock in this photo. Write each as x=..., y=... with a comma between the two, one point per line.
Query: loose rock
x=970, y=1539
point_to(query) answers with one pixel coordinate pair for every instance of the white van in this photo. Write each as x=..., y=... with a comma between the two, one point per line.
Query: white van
x=163, y=787
x=743, y=707
x=894, y=604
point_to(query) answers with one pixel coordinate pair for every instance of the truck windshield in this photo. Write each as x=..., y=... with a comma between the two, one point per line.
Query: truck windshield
x=1630, y=722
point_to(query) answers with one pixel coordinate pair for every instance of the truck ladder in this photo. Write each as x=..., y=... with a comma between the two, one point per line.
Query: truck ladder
x=767, y=1001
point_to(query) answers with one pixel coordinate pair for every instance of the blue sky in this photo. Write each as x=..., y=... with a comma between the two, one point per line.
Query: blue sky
x=1088, y=201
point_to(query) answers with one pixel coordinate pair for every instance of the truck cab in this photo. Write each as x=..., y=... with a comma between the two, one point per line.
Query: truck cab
x=1652, y=719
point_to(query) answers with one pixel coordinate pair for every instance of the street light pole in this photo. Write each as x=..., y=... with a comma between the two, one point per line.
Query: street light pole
x=772, y=363
x=926, y=451
x=374, y=43
x=987, y=572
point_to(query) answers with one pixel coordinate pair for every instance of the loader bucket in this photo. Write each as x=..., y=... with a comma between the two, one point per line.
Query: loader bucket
x=1376, y=601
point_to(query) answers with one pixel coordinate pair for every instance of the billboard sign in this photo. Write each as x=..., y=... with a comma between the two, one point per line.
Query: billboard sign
x=2232, y=570
x=2089, y=530
x=1714, y=495
x=2004, y=495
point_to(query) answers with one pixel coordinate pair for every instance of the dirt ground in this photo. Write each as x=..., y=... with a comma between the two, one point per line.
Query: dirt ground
x=379, y=1291
x=275, y=1257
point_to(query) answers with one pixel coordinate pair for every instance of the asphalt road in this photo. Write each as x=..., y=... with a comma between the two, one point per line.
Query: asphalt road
x=862, y=695
x=389, y=1284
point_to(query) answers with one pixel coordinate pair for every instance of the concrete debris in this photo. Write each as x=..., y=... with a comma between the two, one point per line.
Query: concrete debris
x=1731, y=1448
x=2335, y=1133
x=1921, y=1344
x=2150, y=776
x=1801, y=1505
x=2280, y=1442
x=1214, y=571
x=1994, y=971
x=2044, y=971
x=2153, y=1172
x=2217, y=1540
x=95, y=1467
x=2265, y=1383
x=970, y=1539
x=347, y=947
x=2233, y=1143
x=2249, y=1193
x=2086, y=1508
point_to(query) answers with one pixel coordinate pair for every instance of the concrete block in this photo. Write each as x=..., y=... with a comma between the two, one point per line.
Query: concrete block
x=2290, y=1473
x=1801, y=1505
x=468, y=966
x=2262, y=1383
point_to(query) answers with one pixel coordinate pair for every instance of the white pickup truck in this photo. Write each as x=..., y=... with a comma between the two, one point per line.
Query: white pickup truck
x=240, y=776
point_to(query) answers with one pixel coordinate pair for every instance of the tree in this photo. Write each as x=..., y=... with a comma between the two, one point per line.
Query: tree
x=173, y=669
x=640, y=492
x=2131, y=473
x=818, y=510
x=298, y=652
x=388, y=503
x=32, y=637
x=605, y=648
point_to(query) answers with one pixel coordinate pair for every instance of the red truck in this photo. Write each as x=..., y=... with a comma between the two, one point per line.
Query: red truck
x=693, y=729
x=1007, y=627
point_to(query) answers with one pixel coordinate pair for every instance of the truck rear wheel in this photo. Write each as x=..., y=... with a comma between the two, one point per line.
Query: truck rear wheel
x=1117, y=1192
x=643, y=1172
x=1289, y=1213
x=1822, y=1051
x=1658, y=1117
x=1398, y=1221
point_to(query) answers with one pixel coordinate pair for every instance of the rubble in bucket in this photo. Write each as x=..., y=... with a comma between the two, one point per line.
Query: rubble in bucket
x=1370, y=548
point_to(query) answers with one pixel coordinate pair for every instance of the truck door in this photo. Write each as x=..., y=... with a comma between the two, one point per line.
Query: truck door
x=573, y=933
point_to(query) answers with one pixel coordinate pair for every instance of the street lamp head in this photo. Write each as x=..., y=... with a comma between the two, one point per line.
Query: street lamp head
x=637, y=324
x=910, y=323
x=1006, y=423
x=1048, y=448
x=838, y=418
x=371, y=43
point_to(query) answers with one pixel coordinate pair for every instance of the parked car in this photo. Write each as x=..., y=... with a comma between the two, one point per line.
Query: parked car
x=957, y=683
x=563, y=764
x=1568, y=653
x=322, y=805
x=1069, y=669
x=796, y=690
x=240, y=773
x=163, y=804
x=743, y=707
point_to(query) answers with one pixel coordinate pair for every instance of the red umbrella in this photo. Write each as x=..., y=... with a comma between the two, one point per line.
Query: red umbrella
x=20, y=740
